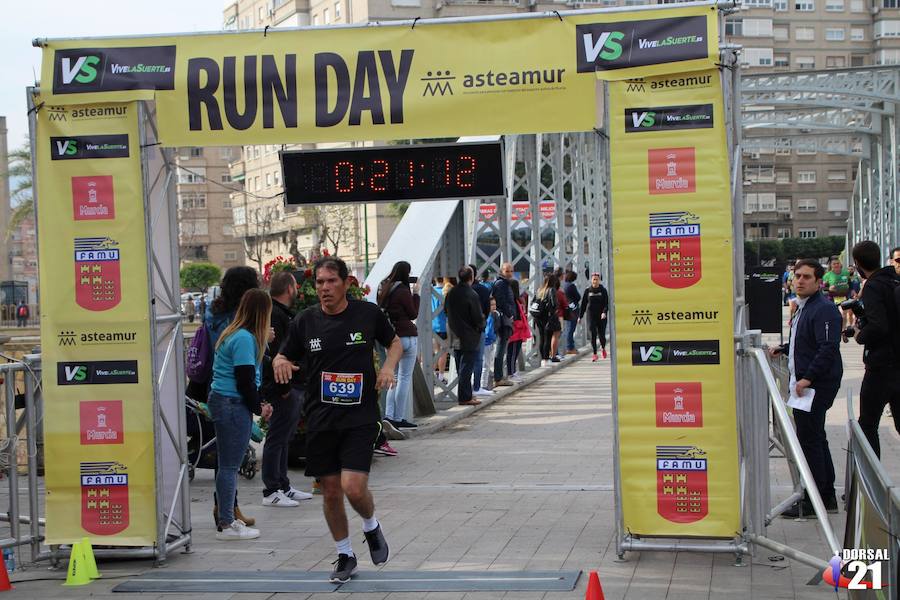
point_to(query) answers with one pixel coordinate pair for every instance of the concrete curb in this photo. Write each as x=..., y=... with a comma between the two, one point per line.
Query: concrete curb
x=445, y=418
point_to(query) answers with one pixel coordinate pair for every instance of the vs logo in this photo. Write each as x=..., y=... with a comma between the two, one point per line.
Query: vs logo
x=66, y=147
x=83, y=70
x=356, y=338
x=651, y=353
x=76, y=373
x=643, y=119
x=608, y=45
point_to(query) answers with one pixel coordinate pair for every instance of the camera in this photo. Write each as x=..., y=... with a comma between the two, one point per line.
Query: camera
x=855, y=305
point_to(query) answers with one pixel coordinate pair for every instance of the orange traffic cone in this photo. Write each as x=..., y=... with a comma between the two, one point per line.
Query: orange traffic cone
x=594, y=591
x=5, y=585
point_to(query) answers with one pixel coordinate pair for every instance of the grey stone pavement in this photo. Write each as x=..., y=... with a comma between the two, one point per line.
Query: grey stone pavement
x=523, y=484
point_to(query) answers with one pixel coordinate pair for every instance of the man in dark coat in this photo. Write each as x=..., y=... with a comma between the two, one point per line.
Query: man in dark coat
x=465, y=322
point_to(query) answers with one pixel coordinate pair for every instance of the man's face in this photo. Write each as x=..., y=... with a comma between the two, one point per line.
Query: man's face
x=331, y=289
x=805, y=282
x=836, y=266
x=595, y=280
x=895, y=260
x=506, y=271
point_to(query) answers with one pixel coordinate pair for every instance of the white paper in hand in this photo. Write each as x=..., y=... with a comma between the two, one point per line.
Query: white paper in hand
x=803, y=401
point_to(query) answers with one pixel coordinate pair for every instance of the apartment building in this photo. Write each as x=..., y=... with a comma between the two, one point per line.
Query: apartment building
x=205, y=188
x=795, y=193
x=788, y=193
x=5, y=208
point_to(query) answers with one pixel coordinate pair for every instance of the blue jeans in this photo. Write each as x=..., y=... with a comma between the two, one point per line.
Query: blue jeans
x=479, y=364
x=570, y=334
x=399, y=398
x=233, y=421
x=465, y=362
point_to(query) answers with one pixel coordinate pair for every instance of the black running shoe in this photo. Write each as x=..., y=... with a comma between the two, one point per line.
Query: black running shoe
x=378, y=547
x=344, y=568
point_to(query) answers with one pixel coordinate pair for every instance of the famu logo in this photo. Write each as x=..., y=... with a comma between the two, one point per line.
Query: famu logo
x=89, y=146
x=696, y=116
x=79, y=70
x=608, y=46
x=683, y=352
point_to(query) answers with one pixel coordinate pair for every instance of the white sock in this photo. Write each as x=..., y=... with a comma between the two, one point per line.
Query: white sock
x=370, y=524
x=344, y=546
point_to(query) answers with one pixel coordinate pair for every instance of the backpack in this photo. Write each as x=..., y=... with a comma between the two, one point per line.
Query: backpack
x=199, y=361
x=23, y=310
x=542, y=308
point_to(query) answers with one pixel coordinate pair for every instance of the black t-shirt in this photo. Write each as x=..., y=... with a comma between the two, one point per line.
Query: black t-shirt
x=336, y=353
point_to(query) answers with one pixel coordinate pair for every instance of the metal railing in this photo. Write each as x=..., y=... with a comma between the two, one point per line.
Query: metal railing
x=25, y=529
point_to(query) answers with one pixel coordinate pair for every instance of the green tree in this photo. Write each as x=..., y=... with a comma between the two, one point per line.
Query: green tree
x=199, y=276
x=18, y=171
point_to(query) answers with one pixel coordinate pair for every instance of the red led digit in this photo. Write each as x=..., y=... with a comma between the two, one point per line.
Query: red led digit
x=376, y=181
x=345, y=177
x=447, y=172
x=465, y=176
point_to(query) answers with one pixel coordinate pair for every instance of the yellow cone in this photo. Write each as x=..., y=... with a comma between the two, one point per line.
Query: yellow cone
x=78, y=574
x=89, y=561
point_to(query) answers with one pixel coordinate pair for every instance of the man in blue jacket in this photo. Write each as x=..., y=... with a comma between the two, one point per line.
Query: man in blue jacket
x=814, y=360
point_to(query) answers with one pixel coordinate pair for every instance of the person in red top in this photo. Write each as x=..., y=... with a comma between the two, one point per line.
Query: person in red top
x=521, y=332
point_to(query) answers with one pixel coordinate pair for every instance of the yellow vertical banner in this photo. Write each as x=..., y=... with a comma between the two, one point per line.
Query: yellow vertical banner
x=95, y=326
x=672, y=260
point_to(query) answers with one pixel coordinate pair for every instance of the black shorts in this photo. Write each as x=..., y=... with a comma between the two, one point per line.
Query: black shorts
x=334, y=450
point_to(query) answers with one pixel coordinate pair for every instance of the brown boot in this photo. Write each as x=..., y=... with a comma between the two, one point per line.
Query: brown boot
x=248, y=521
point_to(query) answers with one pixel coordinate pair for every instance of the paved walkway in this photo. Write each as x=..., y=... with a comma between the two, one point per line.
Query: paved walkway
x=526, y=483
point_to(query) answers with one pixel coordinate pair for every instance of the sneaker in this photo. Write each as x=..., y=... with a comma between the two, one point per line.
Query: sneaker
x=594, y=358
x=544, y=362
x=279, y=499
x=237, y=531
x=556, y=359
x=571, y=351
x=404, y=424
x=385, y=450
x=503, y=382
x=390, y=430
x=344, y=568
x=604, y=353
x=802, y=509
x=516, y=378
x=378, y=547
x=482, y=392
x=295, y=494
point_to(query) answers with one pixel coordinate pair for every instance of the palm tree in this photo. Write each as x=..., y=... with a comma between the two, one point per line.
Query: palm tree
x=21, y=199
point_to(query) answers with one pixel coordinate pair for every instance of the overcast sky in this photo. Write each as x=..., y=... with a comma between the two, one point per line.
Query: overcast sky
x=24, y=20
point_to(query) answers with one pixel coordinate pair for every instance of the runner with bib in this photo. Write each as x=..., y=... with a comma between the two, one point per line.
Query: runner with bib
x=334, y=345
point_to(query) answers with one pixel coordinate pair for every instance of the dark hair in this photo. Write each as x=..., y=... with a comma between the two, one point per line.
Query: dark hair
x=281, y=282
x=895, y=250
x=400, y=273
x=571, y=276
x=235, y=282
x=867, y=255
x=558, y=272
x=816, y=266
x=514, y=286
x=465, y=274
x=553, y=281
x=332, y=263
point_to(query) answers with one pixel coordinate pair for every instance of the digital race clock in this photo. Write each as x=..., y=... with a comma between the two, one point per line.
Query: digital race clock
x=391, y=173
